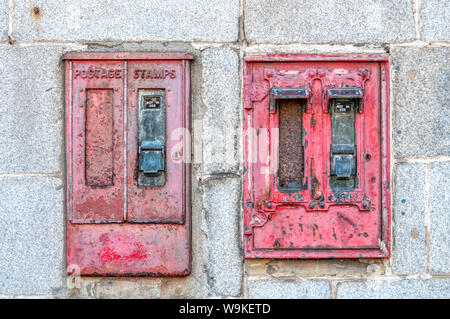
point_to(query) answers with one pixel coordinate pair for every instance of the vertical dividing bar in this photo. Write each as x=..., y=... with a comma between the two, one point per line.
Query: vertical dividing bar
x=125, y=138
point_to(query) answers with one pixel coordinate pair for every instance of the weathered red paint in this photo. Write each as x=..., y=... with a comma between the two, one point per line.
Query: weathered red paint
x=99, y=137
x=316, y=222
x=114, y=227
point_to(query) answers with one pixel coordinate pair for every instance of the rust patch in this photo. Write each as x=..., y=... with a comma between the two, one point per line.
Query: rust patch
x=315, y=187
x=291, y=152
x=264, y=198
x=312, y=121
x=277, y=243
x=36, y=12
x=271, y=270
x=412, y=74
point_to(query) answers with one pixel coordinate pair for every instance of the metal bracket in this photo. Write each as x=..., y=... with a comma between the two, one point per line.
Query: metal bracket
x=287, y=93
x=344, y=93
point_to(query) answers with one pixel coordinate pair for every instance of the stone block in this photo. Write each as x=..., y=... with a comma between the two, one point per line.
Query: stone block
x=435, y=20
x=31, y=109
x=221, y=139
x=129, y=20
x=223, y=248
x=439, y=217
x=32, y=235
x=421, y=91
x=408, y=255
x=328, y=21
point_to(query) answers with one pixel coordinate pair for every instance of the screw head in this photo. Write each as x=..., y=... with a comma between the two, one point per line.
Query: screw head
x=269, y=204
x=312, y=204
x=322, y=204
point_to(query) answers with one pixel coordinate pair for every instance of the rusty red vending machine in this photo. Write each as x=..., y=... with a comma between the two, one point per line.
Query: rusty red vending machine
x=316, y=143
x=128, y=163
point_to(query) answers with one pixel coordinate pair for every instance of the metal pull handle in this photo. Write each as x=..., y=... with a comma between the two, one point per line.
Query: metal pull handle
x=151, y=157
x=343, y=161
